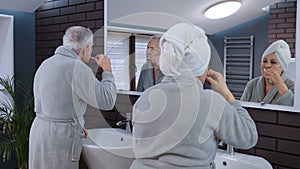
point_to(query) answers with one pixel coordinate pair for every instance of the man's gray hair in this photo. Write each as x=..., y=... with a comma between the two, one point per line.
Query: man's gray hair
x=77, y=37
x=155, y=37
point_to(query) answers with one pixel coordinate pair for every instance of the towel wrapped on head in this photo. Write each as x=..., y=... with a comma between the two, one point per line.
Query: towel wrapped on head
x=282, y=52
x=184, y=43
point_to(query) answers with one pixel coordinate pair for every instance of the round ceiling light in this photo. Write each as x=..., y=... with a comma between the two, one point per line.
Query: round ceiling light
x=223, y=9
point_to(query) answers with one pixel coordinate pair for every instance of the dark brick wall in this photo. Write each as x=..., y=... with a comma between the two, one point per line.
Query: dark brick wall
x=279, y=132
x=279, y=137
x=282, y=23
x=54, y=17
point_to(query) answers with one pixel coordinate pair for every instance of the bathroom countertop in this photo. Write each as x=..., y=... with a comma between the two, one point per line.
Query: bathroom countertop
x=128, y=92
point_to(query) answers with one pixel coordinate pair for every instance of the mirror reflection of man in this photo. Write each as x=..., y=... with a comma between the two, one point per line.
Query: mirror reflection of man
x=150, y=73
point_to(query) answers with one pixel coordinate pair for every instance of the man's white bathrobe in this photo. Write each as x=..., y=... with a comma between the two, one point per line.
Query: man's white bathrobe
x=63, y=86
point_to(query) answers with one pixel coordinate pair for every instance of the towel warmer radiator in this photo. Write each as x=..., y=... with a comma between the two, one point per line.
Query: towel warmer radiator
x=238, y=63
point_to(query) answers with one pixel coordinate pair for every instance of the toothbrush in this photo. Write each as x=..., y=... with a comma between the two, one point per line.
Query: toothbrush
x=270, y=81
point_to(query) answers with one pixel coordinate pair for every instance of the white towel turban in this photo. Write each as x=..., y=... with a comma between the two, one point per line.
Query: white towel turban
x=184, y=43
x=282, y=52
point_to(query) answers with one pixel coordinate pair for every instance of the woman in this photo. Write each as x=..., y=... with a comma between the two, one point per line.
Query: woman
x=177, y=124
x=273, y=86
x=63, y=86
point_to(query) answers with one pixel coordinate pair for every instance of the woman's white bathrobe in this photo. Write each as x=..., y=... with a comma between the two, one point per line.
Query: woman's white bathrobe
x=177, y=124
x=63, y=86
x=255, y=92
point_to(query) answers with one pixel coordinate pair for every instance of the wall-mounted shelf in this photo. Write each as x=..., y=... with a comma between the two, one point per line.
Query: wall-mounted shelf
x=6, y=46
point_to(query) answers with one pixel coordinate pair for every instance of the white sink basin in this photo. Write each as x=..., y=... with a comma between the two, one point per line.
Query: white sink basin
x=238, y=161
x=109, y=148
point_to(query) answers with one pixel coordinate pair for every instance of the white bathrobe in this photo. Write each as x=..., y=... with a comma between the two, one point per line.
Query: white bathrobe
x=176, y=125
x=63, y=86
x=255, y=89
x=146, y=78
x=255, y=92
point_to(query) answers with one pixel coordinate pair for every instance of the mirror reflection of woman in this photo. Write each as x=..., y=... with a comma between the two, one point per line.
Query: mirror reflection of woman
x=273, y=86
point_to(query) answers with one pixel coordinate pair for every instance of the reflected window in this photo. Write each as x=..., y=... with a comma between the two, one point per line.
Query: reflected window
x=117, y=51
x=118, y=45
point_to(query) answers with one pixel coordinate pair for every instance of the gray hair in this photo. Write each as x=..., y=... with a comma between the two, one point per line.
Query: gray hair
x=155, y=37
x=77, y=37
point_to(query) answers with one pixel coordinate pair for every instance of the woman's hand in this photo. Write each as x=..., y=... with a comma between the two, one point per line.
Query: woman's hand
x=104, y=62
x=216, y=80
x=273, y=77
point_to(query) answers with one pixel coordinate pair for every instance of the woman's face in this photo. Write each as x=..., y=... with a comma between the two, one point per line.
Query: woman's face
x=270, y=63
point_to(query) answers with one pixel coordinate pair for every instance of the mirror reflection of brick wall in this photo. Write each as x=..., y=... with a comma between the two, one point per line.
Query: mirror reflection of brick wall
x=282, y=23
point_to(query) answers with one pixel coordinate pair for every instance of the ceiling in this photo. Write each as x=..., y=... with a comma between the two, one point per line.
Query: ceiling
x=164, y=13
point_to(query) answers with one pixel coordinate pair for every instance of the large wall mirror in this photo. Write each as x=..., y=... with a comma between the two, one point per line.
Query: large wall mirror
x=135, y=21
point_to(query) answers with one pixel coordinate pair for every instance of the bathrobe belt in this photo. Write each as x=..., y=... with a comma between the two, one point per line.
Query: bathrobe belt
x=77, y=134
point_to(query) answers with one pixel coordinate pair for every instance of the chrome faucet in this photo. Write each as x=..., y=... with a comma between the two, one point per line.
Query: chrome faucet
x=229, y=149
x=127, y=122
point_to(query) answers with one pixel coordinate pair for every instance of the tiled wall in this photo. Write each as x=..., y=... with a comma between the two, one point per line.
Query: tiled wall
x=283, y=23
x=53, y=17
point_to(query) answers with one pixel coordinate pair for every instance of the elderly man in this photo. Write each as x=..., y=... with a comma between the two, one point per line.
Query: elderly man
x=63, y=86
x=150, y=74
